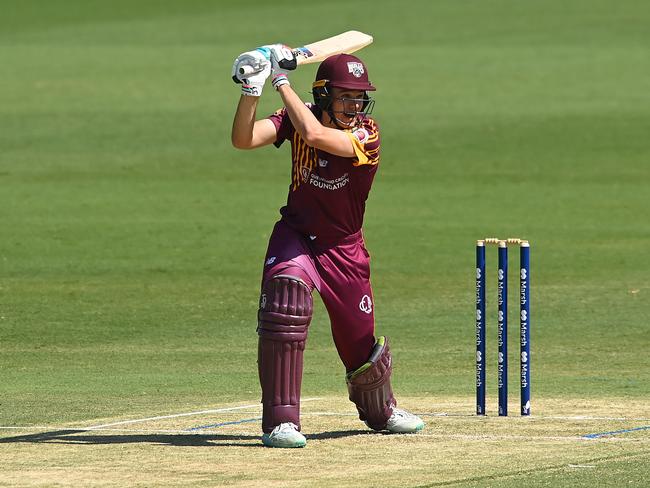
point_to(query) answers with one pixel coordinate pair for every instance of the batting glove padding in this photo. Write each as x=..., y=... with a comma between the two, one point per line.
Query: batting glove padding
x=251, y=69
x=282, y=61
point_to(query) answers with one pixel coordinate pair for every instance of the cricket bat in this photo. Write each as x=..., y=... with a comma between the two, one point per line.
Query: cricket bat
x=347, y=43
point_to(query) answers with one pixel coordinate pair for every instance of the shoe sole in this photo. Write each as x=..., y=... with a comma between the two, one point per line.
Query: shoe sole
x=269, y=443
x=417, y=428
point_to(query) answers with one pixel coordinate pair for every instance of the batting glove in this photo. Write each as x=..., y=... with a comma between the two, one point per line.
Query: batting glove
x=282, y=61
x=251, y=69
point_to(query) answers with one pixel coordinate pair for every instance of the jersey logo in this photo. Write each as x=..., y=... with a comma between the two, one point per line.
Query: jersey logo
x=355, y=68
x=305, y=172
x=322, y=162
x=361, y=134
x=366, y=304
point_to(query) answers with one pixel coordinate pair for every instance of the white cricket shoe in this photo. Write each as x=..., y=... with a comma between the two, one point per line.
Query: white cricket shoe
x=284, y=435
x=403, y=422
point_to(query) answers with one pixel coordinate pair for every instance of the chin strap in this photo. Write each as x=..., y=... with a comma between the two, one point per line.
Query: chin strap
x=339, y=124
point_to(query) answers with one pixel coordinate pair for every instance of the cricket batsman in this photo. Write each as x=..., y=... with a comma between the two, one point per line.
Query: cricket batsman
x=318, y=241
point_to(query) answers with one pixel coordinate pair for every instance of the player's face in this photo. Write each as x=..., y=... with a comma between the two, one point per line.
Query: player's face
x=347, y=104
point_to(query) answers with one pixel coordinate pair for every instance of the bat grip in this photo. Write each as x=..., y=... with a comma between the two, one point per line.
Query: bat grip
x=247, y=70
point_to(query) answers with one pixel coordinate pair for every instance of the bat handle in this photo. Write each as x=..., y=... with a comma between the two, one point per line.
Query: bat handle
x=248, y=70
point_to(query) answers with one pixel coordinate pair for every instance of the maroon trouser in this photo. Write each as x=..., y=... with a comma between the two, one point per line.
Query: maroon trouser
x=341, y=275
x=294, y=266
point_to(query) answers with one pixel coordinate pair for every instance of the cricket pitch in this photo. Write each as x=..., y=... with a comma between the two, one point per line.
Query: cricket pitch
x=219, y=446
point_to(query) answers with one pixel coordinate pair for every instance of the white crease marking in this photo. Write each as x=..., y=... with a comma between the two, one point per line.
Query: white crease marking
x=186, y=414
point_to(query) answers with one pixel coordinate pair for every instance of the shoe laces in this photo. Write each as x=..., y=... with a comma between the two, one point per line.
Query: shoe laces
x=399, y=413
x=286, y=427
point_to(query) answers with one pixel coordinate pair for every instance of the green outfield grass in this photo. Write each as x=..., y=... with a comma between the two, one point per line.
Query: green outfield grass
x=132, y=234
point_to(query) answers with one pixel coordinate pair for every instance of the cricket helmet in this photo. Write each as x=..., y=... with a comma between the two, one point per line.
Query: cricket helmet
x=344, y=71
x=340, y=71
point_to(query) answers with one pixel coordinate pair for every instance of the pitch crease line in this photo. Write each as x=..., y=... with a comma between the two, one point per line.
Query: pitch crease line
x=468, y=437
x=186, y=414
x=615, y=432
x=531, y=418
x=222, y=424
x=581, y=417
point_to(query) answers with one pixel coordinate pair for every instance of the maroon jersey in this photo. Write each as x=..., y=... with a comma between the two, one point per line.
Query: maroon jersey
x=327, y=195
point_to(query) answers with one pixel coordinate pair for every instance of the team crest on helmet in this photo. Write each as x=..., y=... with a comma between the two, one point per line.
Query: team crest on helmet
x=356, y=69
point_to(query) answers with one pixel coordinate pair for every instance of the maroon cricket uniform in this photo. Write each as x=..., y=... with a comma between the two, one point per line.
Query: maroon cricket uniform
x=319, y=239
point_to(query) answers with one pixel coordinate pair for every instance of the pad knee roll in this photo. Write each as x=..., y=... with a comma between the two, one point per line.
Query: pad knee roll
x=284, y=315
x=369, y=387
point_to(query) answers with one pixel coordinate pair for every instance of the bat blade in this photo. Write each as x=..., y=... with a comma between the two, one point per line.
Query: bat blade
x=347, y=42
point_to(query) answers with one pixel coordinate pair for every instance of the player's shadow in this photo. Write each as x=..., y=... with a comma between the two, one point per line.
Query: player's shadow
x=85, y=437
x=339, y=434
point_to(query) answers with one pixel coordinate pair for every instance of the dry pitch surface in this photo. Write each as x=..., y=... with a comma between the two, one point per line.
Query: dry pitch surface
x=578, y=442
